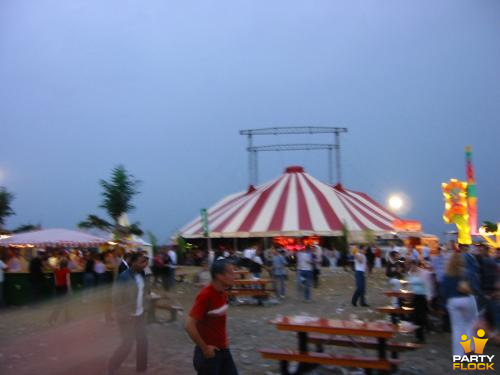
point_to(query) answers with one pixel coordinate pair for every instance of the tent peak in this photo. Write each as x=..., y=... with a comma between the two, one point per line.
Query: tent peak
x=294, y=169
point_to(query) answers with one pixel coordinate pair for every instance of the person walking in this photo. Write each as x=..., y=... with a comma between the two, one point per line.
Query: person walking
x=305, y=264
x=359, y=273
x=129, y=301
x=460, y=302
x=206, y=324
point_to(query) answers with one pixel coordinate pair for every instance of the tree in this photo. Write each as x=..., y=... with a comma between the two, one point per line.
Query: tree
x=6, y=199
x=117, y=200
x=27, y=228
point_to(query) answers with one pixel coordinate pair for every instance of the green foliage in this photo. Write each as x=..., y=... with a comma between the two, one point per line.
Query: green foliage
x=117, y=200
x=118, y=193
x=6, y=199
x=369, y=236
x=94, y=221
x=153, y=241
x=27, y=228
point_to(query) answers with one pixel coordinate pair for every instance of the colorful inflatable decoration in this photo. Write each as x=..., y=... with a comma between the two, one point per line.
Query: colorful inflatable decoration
x=471, y=191
x=456, y=209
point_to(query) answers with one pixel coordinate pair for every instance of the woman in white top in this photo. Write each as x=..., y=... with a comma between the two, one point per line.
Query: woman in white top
x=359, y=268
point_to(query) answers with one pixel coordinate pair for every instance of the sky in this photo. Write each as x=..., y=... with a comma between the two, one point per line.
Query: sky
x=163, y=87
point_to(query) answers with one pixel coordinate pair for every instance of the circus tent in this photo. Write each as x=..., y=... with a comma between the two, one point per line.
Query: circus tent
x=294, y=204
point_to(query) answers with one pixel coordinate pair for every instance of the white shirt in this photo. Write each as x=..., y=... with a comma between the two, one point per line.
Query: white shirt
x=257, y=259
x=304, y=261
x=139, y=310
x=2, y=267
x=360, y=265
x=426, y=251
x=249, y=253
x=173, y=258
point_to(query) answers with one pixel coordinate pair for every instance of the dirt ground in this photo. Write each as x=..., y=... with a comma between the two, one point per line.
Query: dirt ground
x=29, y=345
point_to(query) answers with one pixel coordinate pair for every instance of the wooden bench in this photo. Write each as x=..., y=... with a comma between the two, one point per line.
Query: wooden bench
x=285, y=356
x=395, y=312
x=361, y=342
x=250, y=292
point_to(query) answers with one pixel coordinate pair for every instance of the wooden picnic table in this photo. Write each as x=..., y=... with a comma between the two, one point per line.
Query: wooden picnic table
x=304, y=325
x=245, y=282
x=242, y=273
x=403, y=294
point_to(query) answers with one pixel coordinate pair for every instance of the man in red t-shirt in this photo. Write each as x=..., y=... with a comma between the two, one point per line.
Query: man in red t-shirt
x=206, y=324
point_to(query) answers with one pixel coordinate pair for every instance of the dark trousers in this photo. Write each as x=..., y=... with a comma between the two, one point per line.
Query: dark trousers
x=221, y=364
x=131, y=330
x=420, y=315
x=359, y=293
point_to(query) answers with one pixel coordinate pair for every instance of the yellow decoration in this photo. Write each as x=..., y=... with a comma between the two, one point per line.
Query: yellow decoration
x=456, y=210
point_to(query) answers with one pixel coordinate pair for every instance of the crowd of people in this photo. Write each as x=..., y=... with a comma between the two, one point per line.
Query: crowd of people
x=460, y=286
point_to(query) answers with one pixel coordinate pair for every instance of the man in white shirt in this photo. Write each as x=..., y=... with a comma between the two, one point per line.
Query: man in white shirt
x=171, y=265
x=129, y=300
x=305, y=272
x=359, y=272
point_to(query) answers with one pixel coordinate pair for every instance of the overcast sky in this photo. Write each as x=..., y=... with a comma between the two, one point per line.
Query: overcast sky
x=164, y=86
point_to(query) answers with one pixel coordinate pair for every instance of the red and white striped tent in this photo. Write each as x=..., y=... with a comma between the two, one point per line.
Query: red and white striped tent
x=294, y=204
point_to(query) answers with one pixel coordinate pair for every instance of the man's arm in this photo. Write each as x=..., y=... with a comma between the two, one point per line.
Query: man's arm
x=190, y=326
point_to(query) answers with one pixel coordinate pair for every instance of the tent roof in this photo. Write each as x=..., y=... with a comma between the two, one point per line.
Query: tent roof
x=294, y=204
x=53, y=238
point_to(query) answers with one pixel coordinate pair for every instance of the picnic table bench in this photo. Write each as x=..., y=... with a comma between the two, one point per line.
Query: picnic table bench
x=378, y=332
x=251, y=287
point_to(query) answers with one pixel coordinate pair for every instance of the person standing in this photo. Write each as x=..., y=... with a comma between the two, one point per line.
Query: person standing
x=129, y=301
x=359, y=272
x=37, y=277
x=305, y=264
x=171, y=266
x=370, y=258
x=278, y=272
x=3, y=268
x=206, y=324
x=62, y=280
x=256, y=264
x=317, y=261
x=460, y=301
x=420, y=292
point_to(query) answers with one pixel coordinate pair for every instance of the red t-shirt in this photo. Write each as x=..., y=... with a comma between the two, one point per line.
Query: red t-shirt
x=60, y=276
x=210, y=311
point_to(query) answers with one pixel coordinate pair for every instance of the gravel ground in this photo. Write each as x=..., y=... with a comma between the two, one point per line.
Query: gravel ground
x=28, y=345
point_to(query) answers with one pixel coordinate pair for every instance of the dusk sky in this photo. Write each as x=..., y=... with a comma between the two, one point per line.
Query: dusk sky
x=163, y=87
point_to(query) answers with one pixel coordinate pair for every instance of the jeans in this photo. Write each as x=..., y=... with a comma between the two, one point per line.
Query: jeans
x=279, y=284
x=221, y=364
x=304, y=282
x=463, y=316
x=360, y=288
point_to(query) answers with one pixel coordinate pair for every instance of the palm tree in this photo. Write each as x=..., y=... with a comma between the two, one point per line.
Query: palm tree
x=117, y=201
x=27, y=228
x=6, y=199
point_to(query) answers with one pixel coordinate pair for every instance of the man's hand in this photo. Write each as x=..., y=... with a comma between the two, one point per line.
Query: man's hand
x=209, y=351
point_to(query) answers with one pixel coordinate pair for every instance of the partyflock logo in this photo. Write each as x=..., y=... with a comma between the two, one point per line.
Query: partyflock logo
x=476, y=361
